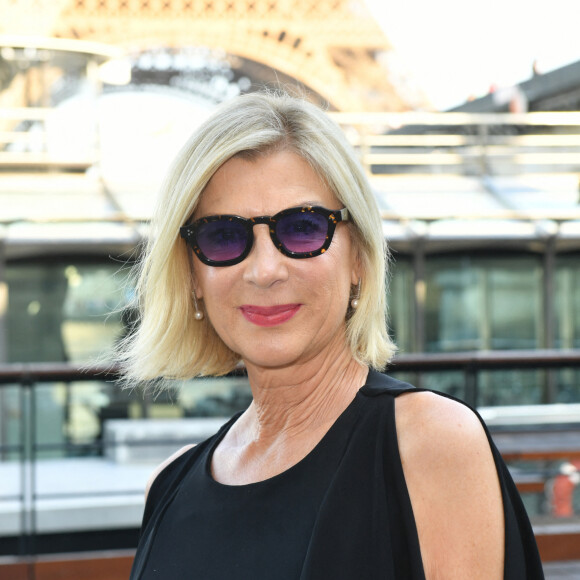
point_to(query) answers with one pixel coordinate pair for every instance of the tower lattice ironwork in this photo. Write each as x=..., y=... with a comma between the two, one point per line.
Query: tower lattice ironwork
x=333, y=47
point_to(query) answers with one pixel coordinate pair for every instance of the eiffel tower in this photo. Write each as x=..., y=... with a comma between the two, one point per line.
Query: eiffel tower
x=333, y=48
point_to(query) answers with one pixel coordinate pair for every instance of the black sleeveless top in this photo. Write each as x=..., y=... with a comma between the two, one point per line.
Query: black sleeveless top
x=342, y=512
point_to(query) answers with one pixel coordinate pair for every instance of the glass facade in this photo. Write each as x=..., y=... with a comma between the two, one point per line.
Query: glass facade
x=401, y=303
x=61, y=310
x=74, y=310
x=65, y=310
x=483, y=303
x=567, y=302
x=567, y=323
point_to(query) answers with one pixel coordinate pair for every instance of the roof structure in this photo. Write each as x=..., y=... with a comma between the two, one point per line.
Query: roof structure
x=83, y=175
x=557, y=90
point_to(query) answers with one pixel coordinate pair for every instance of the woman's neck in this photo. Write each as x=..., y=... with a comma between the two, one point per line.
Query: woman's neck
x=292, y=410
x=301, y=398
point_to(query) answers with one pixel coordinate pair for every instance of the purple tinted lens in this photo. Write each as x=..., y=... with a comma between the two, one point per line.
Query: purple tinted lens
x=222, y=240
x=302, y=232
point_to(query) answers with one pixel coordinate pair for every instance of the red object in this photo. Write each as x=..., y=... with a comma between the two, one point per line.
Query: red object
x=563, y=494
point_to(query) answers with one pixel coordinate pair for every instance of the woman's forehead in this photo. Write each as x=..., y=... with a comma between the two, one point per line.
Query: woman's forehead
x=263, y=186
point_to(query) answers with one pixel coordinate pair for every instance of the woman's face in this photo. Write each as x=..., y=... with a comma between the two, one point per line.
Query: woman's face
x=272, y=309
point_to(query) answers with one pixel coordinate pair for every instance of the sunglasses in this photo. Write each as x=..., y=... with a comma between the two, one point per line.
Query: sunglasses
x=298, y=232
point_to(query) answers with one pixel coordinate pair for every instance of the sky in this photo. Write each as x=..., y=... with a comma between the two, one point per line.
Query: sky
x=454, y=49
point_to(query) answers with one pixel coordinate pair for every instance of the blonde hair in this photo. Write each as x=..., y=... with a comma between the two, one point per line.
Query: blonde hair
x=168, y=341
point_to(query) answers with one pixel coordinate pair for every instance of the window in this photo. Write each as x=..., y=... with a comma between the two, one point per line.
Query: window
x=567, y=323
x=483, y=303
x=401, y=303
x=486, y=303
x=567, y=302
x=64, y=310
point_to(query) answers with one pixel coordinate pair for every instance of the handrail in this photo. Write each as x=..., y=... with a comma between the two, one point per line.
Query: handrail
x=46, y=372
x=465, y=143
x=409, y=142
x=488, y=360
x=415, y=362
x=28, y=376
x=470, y=364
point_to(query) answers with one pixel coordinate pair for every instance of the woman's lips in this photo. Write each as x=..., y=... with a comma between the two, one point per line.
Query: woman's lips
x=269, y=315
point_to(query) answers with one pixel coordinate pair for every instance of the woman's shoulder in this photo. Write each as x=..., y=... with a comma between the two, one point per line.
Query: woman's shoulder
x=453, y=484
x=435, y=431
x=426, y=421
x=429, y=422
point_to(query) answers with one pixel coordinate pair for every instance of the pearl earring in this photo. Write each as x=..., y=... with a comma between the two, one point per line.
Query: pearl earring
x=198, y=315
x=355, y=298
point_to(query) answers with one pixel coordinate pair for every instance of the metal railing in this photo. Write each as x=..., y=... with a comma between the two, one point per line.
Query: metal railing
x=470, y=363
x=29, y=377
x=25, y=143
x=465, y=143
x=411, y=142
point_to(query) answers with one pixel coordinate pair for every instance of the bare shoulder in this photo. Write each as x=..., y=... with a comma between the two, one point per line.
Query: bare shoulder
x=433, y=426
x=163, y=465
x=453, y=486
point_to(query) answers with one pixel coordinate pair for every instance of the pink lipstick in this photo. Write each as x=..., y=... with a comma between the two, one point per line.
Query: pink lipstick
x=269, y=315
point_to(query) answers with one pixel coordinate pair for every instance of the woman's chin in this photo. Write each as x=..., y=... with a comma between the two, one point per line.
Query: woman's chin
x=273, y=356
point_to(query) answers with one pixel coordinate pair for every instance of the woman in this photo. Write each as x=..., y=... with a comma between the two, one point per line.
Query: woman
x=267, y=248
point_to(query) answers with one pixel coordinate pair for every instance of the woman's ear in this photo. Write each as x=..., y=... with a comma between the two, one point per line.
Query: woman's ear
x=357, y=256
x=356, y=272
x=196, y=288
x=194, y=283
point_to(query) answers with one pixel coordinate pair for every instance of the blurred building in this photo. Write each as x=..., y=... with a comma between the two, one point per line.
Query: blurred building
x=557, y=90
x=480, y=206
x=333, y=49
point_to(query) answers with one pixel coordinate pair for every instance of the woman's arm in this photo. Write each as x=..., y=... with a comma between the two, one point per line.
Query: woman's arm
x=454, y=488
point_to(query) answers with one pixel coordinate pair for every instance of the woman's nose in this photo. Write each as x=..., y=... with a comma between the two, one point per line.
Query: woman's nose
x=265, y=265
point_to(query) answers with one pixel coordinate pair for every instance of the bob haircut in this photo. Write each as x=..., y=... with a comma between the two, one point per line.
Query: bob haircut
x=168, y=342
